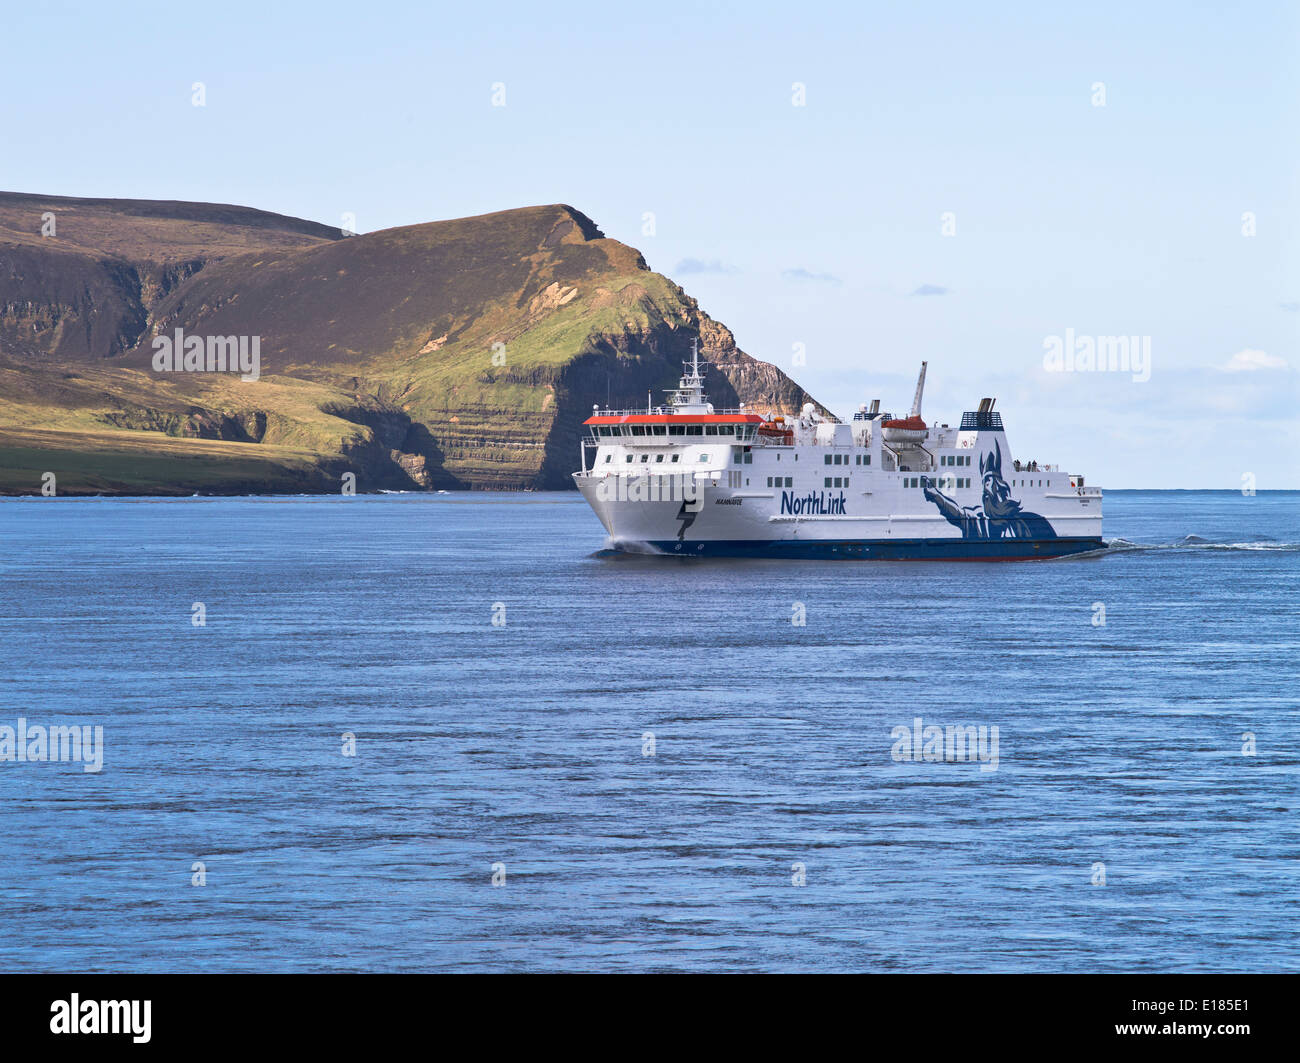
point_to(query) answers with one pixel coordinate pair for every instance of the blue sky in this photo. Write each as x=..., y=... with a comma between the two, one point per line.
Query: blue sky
x=819, y=224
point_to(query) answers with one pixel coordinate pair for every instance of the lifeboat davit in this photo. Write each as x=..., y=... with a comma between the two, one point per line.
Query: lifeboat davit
x=903, y=430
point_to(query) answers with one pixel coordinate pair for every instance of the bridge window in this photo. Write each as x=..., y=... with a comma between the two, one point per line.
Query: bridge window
x=676, y=456
x=609, y=458
x=645, y=458
x=629, y=457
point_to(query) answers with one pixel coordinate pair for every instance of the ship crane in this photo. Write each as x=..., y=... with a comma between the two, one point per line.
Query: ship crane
x=910, y=429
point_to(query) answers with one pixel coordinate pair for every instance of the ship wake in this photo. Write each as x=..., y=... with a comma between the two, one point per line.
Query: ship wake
x=1197, y=542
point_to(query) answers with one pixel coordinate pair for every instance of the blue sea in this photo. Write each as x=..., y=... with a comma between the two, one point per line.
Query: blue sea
x=660, y=770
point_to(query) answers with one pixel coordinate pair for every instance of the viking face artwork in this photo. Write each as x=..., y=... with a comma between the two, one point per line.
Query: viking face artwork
x=998, y=502
x=999, y=516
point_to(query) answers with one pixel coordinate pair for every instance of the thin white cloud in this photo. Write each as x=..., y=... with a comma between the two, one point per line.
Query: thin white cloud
x=1250, y=360
x=801, y=274
x=696, y=265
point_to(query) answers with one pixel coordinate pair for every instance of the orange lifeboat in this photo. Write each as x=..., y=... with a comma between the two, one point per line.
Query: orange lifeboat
x=903, y=430
x=776, y=431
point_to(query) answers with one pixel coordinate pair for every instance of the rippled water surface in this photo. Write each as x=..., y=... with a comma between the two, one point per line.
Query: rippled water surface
x=524, y=744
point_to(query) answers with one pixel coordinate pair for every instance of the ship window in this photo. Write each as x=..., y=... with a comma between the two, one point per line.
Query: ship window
x=659, y=457
x=695, y=430
x=629, y=457
x=645, y=458
x=828, y=459
x=866, y=459
x=676, y=456
x=838, y=482
x=704, y=457
x=676, y=429
x=724, y=430
x=660, y=429
x=737, y=455
x=609, y=458
x=828, y=481
x=749, y=458
x=710, y=429
x=789, y=481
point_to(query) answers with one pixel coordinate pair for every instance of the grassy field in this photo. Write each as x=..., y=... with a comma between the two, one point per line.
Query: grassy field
x=124, y=462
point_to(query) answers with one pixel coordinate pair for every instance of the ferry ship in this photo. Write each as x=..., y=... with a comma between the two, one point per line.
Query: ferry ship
x=688, y=480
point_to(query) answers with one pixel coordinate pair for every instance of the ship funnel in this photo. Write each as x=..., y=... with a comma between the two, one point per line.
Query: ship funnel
x=920, y=387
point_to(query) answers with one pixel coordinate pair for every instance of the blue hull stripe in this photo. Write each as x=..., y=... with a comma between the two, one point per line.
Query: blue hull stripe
x=884, y=549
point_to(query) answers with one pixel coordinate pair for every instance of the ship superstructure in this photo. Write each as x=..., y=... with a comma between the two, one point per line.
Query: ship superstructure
x=686, y=479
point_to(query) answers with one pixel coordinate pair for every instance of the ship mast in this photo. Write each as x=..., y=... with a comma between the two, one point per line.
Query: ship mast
x=688, y=396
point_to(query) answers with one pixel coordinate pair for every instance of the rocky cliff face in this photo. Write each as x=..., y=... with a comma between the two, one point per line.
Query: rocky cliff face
x=453, y=354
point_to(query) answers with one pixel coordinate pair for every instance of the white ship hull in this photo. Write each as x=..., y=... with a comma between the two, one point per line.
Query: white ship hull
x=689, y=481
x=655, y=516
